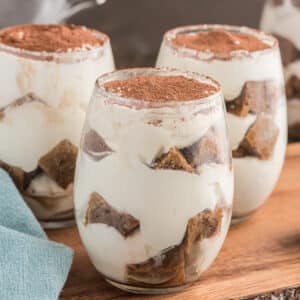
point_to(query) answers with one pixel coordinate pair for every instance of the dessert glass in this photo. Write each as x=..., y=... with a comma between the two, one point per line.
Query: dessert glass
x=43, y=102
x=153, y=186
x=252, y=83
x=282, y=18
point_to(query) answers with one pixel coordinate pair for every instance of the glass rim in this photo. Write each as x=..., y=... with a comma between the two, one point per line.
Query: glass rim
x=73, y=55
x=261, y=35
x=164, y=71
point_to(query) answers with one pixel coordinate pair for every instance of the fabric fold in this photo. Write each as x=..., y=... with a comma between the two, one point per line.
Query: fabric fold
x=31, y=266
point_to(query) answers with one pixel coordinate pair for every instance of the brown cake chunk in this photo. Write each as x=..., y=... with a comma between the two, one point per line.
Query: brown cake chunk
x=16, y=174
x=174, y=160
x=294, y=131
x=157, y=88
x=95, y=146
x=256, y=97
x=172, y=266
x=293, y=87
x=2, y=115
x=259, y=140
x=205, y=150
x=203, y=225
x=159, y=269
x=50, y=37
x=238, y=107
x=59, y=163
x=99, y=211
x=289, y=53
x=20, y=178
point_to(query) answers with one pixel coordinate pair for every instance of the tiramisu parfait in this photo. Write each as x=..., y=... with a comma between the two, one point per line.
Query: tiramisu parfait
x=247, y=64
x=47, y=77
x=154, y=182
x=282, y=18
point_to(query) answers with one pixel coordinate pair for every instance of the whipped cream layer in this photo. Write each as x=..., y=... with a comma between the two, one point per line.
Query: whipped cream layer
x=162, y=200
x=231, y=74
x=30, y=130
x=43, y=102
x=254, y=178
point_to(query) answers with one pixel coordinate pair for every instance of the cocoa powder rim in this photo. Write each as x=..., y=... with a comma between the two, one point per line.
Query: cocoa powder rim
x=133, y=103
x=69, y=56
x=210, y=56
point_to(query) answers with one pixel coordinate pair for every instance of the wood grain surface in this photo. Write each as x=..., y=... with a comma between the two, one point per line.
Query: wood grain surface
x=259, y=256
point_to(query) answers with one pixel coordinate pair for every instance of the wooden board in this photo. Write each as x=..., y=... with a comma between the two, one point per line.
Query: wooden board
x=260, y=255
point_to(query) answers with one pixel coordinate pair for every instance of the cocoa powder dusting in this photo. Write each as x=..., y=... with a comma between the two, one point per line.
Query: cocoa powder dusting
x=156, y=88
x=220, y=42
x=50, y=38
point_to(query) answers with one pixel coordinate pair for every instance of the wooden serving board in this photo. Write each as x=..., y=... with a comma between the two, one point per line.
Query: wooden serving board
x=259, y=256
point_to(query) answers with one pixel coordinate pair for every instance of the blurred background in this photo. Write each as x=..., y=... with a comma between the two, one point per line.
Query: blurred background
x=135, y=26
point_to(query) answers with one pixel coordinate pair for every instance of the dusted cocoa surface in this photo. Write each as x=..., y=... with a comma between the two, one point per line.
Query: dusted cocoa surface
x=219, y=42
x=156, y=88
x=49, y=38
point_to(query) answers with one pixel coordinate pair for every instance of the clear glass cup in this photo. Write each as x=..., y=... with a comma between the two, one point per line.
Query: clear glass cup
x=43, y=101
x=282, y=19
x=153, y=186
x=257, y=134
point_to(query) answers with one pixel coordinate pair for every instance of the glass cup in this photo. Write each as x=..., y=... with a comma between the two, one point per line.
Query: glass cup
x=282, y=18
x=43, y=102
x=153, y=186
x=252, y=83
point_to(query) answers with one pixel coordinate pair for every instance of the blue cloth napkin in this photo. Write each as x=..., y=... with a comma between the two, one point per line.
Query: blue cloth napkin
x=31, y=267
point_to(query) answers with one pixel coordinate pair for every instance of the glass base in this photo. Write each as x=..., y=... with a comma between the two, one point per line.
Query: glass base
x=240, y=219
x=58, y=224
x=146, y=290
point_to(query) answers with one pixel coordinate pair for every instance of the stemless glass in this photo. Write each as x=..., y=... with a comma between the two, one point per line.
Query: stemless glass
x=257, y=131
x=153, y=185
x=43, y=101
x=282, y=18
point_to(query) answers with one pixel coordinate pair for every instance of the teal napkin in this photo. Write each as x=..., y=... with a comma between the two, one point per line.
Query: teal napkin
x=31, y=267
